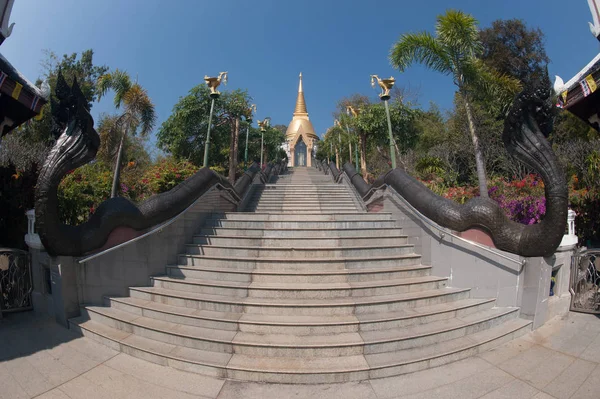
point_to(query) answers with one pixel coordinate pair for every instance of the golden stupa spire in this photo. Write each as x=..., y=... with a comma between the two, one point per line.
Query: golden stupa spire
x=300, y=103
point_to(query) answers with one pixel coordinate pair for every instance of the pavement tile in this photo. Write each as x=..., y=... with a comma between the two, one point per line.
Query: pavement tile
x=250, y=390
x=28, y=377
x=130, y=387
x=81, y=387
x=543, y=395
x=51, y=368
x=166, y=377
x=563, y=386
x=516, y=389
x=56, y=393
x=507, y=351
x=468, y=388
x=590, y=389
x=9, y=387
x=544, y=372
x=427, y=379
x=592, y=351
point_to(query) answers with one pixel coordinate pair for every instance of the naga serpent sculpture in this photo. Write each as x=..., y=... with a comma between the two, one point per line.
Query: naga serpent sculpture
x=76, y=145
x=525, y=128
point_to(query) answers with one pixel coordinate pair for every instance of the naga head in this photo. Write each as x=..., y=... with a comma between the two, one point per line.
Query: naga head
x=73, y=128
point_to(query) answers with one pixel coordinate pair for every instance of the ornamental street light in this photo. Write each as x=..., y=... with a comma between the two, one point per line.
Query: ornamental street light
x=264, y=124
x=249, y=120
x=212, y=83
x=339, y=125
x=386, y=85
x=338, y=147
x=351, y=111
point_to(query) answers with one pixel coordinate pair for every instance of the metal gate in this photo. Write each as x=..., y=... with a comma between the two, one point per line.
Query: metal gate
x=585, y=281
x=15, y=280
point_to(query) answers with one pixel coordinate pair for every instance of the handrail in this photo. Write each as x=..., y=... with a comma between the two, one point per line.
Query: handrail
x=230, y=190
x=156, y=229
x=444, y=232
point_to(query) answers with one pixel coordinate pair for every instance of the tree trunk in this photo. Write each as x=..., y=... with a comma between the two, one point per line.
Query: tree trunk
x=116, y=177
x=481, y=176
x=233, y=150
x=363, y=154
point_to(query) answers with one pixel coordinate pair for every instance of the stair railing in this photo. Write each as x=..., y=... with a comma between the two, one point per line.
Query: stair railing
x=366, y=191
x=237, y=193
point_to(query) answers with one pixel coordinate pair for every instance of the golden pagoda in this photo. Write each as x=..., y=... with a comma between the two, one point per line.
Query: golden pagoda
x=300, y=135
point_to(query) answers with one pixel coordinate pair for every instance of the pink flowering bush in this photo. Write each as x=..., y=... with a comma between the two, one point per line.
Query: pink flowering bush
x=522, y=200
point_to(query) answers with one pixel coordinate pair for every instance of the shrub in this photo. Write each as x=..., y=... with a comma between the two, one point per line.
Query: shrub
x=82, y=190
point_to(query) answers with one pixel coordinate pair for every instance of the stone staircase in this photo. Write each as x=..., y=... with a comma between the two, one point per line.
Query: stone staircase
x=306, y=288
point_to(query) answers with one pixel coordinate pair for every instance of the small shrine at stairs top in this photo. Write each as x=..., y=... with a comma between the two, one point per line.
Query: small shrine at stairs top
x=300, y=135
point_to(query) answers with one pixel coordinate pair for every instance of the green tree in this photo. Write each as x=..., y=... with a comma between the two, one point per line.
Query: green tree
x=138, y=112
x=454, y=51
x=183, y=134
x=513, y=49
x=370, y=124
x=71, y=67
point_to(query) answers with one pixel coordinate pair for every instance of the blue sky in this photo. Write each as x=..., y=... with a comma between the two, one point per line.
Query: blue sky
x=264, y=44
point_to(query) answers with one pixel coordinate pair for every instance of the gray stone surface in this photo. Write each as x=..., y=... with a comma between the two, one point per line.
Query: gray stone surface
x=40, y=359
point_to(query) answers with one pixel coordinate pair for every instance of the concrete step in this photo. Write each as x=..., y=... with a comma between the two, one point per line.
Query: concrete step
x=301, y=369
x=299, y=325
x=299, y=252
x=304, y=307
x=299, y=242
x=287, y=263
x=300, y=224
x=301, y=232
x=292, y=345
x=300, y=201
x=298, y=276
x=357, y=367
x=312, y=217
x=283, y=207
x=295, y=290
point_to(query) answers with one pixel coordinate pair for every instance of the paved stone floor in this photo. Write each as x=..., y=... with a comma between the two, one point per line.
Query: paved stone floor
x=40, y=359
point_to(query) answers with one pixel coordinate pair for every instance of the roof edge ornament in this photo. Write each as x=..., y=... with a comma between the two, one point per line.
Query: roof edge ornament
x=5, y=10
x=595, y=10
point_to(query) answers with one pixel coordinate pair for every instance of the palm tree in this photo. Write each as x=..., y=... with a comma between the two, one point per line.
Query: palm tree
x=454, y=51
x=138, y=112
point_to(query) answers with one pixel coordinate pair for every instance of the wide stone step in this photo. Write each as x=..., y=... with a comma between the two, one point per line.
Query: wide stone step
x=299, y=224
x=299, y=325
x=299, y=242
x=291, y=345
x=304, y=207
x=313, y=232
x=299, y=252
x=301, y=369
x=288, y=263
x=311, y=217
x=298, y=276
x=306, y=307
x=302, y=203
x=358, y=367
x=295, y=290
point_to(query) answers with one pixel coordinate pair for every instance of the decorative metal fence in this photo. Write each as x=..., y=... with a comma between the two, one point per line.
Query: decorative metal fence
x=15, y=280
x=585, y=281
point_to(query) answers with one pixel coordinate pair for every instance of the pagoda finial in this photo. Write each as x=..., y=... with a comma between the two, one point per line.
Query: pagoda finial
x=300, y=103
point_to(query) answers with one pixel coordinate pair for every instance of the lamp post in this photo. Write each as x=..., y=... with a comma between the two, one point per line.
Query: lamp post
x=386, y=85
x=264, y=124
x=351, y=111
x=249, y=120
x=339, y=125
x=212, y=83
